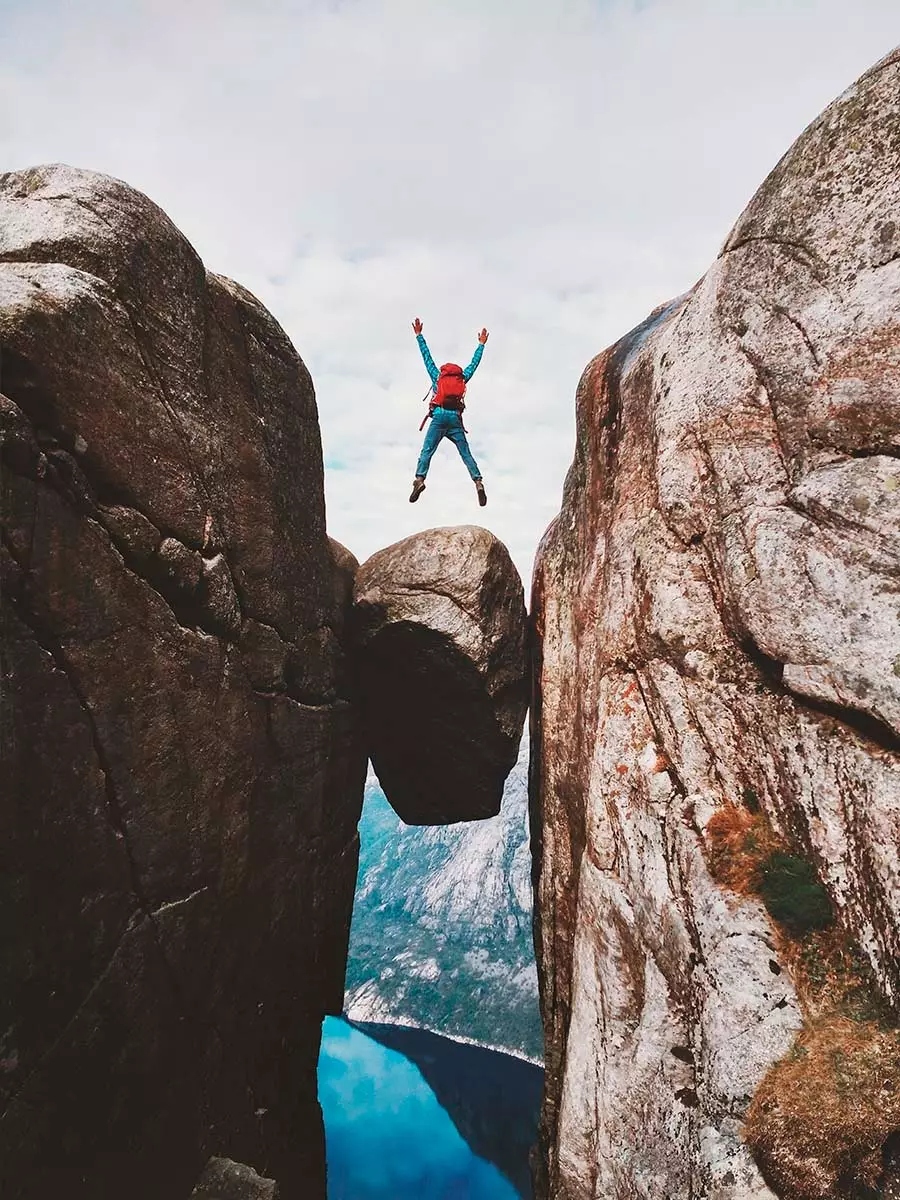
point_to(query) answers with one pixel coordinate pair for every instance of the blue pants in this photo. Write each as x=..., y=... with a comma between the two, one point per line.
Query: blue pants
x=446, y=424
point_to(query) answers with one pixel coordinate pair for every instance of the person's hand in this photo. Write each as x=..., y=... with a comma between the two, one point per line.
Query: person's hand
x=417, y=326
x=483, y=336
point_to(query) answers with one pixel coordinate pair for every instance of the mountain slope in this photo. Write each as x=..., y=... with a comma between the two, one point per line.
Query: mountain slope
x=441, y=933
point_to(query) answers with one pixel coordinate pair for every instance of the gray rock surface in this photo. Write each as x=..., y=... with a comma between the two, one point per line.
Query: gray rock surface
x=717, y=622
x=182, y=770
x=439, y=629
x=223, y=1179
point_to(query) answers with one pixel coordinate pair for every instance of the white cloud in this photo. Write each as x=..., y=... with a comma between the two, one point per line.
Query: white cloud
x=550, y=170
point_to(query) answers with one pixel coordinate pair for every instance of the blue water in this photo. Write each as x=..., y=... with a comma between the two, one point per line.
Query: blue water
x=387, y=1137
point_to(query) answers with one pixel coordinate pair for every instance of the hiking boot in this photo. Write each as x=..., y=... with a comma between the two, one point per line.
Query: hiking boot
x=482, y=494
x=418, y=488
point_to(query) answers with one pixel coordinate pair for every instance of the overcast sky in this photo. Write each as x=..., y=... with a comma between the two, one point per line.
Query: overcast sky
x=552, y=170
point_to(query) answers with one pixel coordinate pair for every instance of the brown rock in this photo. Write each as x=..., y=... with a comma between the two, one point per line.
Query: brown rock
x=264, y=656
x=716, y=612
x=179, y=842
x=182, y=566
x=343, y=579
x=439, y=625
x=134, y=535
x=219, y=598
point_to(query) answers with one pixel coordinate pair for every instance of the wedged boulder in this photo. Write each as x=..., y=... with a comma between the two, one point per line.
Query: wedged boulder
x=440, y=633
x=717, y=696
x=182, y=769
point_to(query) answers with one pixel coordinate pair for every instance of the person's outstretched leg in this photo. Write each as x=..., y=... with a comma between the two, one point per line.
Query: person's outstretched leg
x=457, y=435
x=432, y=439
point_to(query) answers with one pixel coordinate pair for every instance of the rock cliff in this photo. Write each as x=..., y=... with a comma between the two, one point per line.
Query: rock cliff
x=439, y=636
x=716, y=723
x=193, y=675
x=182, y=770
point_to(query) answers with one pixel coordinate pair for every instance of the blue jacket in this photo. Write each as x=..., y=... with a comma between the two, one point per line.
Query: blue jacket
x=433, y=371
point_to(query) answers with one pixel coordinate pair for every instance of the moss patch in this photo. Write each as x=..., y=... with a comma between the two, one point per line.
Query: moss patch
x=820, y=1117
x=792, y=894
x=833, y=978
x=738, y=840
x=745, y=854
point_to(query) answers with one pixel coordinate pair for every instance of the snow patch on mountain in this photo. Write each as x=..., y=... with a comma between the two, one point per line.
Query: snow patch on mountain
x=441, y=934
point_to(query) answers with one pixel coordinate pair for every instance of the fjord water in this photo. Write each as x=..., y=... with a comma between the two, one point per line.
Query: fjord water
x=388, y=1136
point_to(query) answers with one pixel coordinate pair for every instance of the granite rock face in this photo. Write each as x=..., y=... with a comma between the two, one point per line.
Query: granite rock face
x=183, y=772
x=440, y=636
x=717, y=625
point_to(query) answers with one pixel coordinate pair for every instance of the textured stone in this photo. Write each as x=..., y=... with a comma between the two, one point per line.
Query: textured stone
x=178, y=826
x=223, y=1179
x=343, y=578
x=219, y=597
x=181, y=565
x=439, y=625
x=717, y=622
x=134, y=535
x=264, y=656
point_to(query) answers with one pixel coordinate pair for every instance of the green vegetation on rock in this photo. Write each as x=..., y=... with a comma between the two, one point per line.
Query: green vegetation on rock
x=792, y=893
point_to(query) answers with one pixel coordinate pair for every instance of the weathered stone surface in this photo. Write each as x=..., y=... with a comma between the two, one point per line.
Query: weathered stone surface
x=343, y=578
x=439, y=625
x=717, y=622
x=219, y=597
x=223, y=1179
x=178, y=821
x=135, y=536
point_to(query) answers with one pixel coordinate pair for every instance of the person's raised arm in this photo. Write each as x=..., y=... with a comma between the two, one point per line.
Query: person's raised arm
x=433, y=372
x=476, y=357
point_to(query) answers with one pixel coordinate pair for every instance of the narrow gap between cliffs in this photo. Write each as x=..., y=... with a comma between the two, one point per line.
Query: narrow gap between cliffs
x=441, y=998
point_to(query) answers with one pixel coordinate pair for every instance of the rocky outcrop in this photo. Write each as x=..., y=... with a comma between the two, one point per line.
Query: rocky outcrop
x=439, y=630
x=182, y=771
x=719, y=649
x=223, y=1179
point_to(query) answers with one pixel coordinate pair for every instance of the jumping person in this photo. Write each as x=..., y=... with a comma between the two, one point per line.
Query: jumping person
x=445, y=409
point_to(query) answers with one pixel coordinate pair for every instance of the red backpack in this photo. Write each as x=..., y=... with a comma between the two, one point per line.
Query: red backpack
x=451, y=388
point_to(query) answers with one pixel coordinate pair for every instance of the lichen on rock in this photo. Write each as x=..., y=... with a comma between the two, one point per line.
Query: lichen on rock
x=716, y=619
